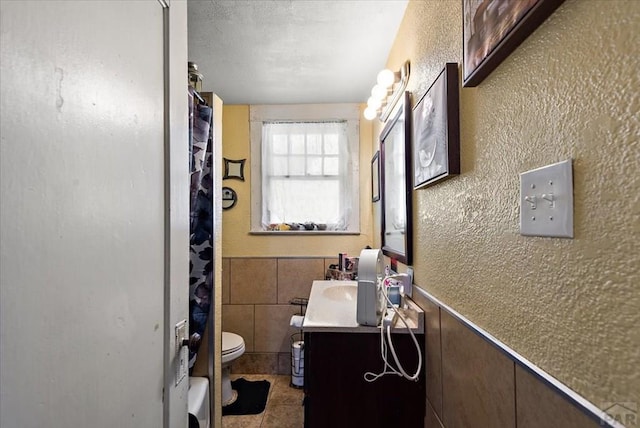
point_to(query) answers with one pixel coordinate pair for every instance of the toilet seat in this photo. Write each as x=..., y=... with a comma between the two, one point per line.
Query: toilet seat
x=232, y=346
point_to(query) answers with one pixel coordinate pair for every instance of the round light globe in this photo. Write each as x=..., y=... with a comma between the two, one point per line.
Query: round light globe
x=374, y=103
x=386, y=78
x=379, y=92
x=370, y=113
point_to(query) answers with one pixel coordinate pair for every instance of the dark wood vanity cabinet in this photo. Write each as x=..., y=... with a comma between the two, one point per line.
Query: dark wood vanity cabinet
x=336, y=394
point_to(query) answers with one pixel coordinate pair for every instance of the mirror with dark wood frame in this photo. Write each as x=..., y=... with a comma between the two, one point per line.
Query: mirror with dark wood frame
x=396, y=211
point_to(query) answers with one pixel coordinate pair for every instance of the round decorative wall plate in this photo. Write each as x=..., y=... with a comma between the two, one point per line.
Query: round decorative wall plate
x=229, y=198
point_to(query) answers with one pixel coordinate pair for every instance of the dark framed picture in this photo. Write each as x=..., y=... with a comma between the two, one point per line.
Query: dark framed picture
x=234, y=169
x=436, y=130
x=395, y=162
x=375, y=177
x=492, y=29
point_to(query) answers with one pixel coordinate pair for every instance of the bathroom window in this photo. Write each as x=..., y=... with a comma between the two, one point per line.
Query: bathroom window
x=307, y=170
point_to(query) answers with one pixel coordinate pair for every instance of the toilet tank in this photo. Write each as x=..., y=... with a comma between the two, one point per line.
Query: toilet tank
x=199, y=400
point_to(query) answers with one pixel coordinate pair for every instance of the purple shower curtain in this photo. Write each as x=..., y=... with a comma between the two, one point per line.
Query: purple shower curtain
x=201, y=240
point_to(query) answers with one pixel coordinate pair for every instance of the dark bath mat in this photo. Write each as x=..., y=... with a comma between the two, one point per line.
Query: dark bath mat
x=252, y=397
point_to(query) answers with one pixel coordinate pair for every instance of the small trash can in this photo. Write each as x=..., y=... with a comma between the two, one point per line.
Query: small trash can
x=297, y=360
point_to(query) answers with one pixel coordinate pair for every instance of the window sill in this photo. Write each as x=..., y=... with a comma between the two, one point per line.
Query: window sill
x=301, y=232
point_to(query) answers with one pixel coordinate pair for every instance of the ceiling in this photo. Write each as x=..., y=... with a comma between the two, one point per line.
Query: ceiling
x=292, y=51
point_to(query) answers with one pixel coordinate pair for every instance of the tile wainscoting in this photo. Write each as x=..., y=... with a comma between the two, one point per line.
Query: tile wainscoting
x=473, y=380
x=255, y=304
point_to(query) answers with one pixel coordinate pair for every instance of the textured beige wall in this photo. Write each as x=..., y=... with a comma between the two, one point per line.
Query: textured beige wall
x=236, y=240
x=571, y=90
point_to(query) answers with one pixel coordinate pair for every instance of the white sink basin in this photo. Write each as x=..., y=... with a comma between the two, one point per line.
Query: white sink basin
x=332, y=307
x=340, y=292
x=332, y=304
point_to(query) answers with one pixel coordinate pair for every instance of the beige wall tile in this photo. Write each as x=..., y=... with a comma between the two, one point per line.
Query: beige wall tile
x=226, y=279
x=540, y=406
x=258, y=363
x=329, y=262
x=272, y=330
x=238, y=319
x=433, y=353
x=284, y=363
x=295, y=277
x=253, y=280
x=477, y=379
x=430, y=419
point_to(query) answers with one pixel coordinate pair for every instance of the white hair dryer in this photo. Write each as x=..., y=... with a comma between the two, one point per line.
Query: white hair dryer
x=371, y=303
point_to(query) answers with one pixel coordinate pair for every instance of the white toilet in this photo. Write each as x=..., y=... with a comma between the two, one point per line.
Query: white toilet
x=198, y=400
x=232, y=349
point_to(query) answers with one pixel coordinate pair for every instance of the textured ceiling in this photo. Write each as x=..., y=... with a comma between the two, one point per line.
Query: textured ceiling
x=292, y=51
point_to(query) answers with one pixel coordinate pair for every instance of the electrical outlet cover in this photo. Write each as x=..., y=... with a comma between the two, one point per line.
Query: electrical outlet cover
x=408, y=282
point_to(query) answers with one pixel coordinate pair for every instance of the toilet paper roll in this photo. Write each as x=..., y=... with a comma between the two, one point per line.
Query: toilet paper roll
x=297, y=354
x=297, y=348
x=296, y=321
x=370, y=265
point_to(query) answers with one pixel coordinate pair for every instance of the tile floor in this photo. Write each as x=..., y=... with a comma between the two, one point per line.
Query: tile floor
x=284, y=406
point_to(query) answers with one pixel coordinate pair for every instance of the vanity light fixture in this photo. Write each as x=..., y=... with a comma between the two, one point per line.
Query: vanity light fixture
x=388, y=89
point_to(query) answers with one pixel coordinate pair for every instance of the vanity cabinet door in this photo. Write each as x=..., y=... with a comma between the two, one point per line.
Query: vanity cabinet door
x=336, y=394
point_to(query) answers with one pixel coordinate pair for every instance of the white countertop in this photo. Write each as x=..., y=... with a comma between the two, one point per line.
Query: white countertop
x=332, y=304
x=332, y=308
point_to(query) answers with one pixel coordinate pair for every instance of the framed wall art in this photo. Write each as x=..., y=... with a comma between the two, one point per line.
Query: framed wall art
x=492, y=29
x=375, y=177
x=234, y=169
x=395, y=162
x=436, y=130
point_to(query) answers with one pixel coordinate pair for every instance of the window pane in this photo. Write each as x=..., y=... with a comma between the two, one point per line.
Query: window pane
x=279, y=165
x=314, y=165
x=331, y=144
x=314, y=144
x=331, y=166
x=296, y=165
x=279, y=144
x=303, y=201
x=297, y=144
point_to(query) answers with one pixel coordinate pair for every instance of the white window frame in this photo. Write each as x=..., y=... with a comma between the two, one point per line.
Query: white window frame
x=300, y=113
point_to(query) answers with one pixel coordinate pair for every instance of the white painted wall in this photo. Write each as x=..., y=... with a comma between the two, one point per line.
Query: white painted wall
x=82, y=215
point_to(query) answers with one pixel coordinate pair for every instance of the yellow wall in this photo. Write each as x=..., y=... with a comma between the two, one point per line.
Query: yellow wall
x=236, y=240
x=571, y=90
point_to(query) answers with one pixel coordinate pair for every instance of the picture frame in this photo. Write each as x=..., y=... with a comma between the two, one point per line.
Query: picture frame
x=234, y=169
x=395, y=184
x=492, y=29
x=375, y=177
x=436, y=130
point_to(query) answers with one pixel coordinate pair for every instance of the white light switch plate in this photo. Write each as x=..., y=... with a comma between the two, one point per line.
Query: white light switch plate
x=546, y=201
x=182, y=352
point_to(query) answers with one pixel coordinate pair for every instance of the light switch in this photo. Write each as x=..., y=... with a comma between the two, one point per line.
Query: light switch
x=546, y=201
x=182, y=352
